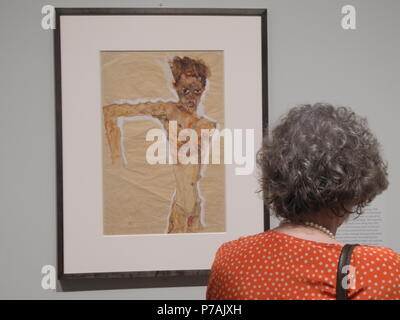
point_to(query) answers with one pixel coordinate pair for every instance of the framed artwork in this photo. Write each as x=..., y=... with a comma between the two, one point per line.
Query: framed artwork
x=129, y=83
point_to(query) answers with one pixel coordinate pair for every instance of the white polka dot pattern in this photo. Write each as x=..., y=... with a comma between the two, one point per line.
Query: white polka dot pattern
x=273, y=265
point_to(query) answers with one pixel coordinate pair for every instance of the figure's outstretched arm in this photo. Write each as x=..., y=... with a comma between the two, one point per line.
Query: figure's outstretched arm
x=154, y=109
x=113, y=111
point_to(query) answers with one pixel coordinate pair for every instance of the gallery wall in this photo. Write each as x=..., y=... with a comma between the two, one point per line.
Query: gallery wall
x=311, y=58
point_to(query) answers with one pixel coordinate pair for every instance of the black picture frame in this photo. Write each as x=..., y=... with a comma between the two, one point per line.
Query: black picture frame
x=145, y=278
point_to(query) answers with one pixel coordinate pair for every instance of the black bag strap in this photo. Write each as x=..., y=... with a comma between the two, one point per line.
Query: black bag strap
x=344, y=260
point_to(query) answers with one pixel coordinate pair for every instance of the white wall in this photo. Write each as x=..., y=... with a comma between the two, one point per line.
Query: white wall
x=311, y=58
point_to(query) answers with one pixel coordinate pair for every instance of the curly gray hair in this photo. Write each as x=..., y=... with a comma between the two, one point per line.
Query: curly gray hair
x=320, y=157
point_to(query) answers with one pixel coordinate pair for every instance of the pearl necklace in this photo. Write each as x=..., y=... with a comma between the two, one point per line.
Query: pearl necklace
x=316, y=226
x=321, y=228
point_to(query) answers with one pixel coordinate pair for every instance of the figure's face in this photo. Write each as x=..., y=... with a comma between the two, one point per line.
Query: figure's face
x=189, y=90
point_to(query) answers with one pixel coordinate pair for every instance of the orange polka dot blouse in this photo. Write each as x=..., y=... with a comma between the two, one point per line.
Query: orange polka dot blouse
x=273, y=265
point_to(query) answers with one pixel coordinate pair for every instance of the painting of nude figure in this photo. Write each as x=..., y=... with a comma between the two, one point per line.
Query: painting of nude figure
x=142, y=90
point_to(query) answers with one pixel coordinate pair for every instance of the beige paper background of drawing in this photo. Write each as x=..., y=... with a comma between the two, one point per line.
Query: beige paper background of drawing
x=137, y=197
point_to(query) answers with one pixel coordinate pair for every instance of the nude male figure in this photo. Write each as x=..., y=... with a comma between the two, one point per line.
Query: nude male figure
x=190, y=78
